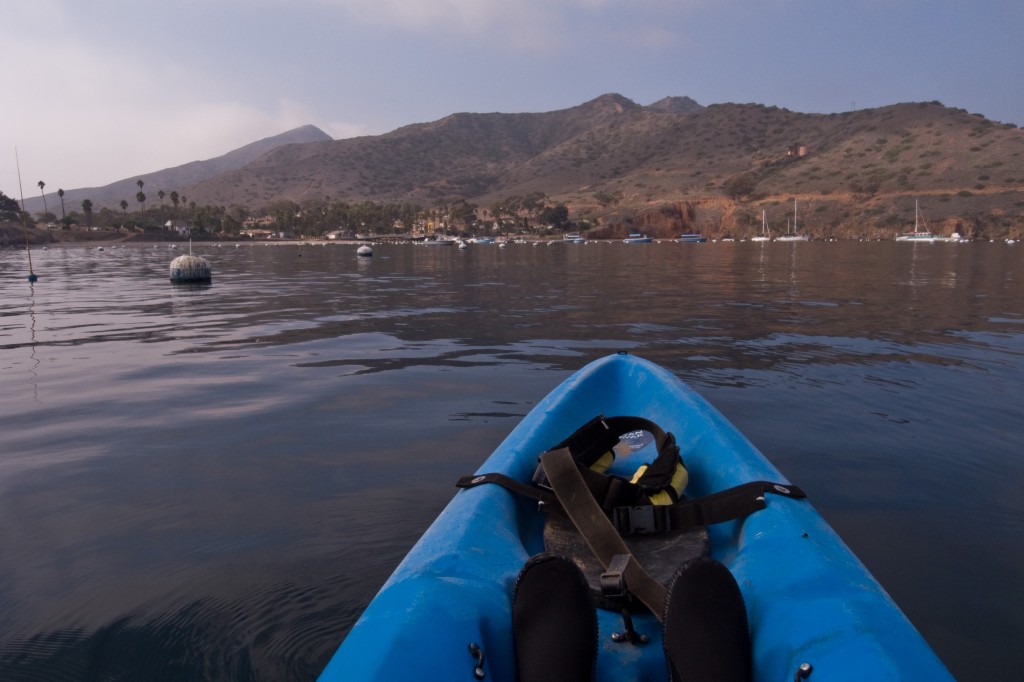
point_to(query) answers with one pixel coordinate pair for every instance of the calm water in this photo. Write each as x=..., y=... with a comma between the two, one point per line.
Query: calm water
x=211, y=483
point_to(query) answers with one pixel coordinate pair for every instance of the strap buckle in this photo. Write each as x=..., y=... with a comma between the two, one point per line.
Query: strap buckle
x=640, y=519
x=614, y=587
x=613, y=580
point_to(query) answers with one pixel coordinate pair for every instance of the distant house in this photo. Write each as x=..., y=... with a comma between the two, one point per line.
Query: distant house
x=181, y=229
x=259, y=221
x=256, y=233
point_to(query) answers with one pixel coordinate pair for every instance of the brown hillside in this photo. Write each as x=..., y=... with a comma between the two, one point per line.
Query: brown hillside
x=671, y=166
x=179, y=178
x=615, y=162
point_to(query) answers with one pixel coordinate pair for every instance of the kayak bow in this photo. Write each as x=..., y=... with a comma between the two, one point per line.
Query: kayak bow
x=445, y=611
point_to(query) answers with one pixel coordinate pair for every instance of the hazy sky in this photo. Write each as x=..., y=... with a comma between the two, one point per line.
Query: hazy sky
x=100, y=90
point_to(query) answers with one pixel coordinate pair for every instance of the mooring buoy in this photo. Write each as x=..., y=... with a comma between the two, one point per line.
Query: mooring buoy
x=190, y=269
x=364, y=251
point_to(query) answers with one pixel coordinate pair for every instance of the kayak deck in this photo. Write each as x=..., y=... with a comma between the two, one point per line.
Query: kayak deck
x=808, y=598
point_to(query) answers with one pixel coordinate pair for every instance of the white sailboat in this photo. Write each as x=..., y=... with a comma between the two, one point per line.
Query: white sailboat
x=917, y=235
x=792, y=236
x=764, y=236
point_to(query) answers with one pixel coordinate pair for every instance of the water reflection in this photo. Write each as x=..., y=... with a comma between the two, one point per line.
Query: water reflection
x=660, y=295
x=311, y=406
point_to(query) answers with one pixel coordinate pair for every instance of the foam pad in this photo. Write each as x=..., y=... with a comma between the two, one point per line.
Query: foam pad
x=660, y=554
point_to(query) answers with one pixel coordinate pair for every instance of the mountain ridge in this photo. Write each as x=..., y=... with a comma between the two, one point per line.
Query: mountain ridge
x=614, y=162
x=178, y=178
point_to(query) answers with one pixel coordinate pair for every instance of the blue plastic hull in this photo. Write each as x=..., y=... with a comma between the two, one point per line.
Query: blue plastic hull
x=808, y=597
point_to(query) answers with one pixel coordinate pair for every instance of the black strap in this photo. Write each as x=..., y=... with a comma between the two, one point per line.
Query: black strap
x=733, y=503
x=599, y=435
x=601, y=537
x=591, y=441
x=611, y=491
x=658, y=475
x=508, y=483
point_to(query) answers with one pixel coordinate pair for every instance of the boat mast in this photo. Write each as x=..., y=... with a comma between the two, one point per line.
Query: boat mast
x=24, y=225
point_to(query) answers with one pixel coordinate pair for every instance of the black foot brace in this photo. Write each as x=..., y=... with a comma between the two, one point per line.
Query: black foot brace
x=554, y=624
x=706, y=636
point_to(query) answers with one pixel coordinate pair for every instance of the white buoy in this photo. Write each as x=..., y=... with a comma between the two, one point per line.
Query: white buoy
x=190, y=269
x=364, y=251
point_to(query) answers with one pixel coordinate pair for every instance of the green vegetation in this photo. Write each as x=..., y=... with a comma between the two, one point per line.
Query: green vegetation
x=740, y=185
x=9, y=209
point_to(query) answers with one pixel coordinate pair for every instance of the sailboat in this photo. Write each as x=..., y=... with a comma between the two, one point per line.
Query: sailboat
x=32, y=276
x=763, y=237
x=792, y=236
x=917, y=235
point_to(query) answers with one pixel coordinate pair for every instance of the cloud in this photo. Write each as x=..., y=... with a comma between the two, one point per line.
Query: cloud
x=90, y=114
x=460, y=15
x=512, y=24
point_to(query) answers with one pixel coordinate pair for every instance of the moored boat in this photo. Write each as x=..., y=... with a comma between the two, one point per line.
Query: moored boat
x=637, y=238
x=445, y=613
x=691, y=238
x=439, y=240
x=918, y=235
x=764, y=236
x=791, y=234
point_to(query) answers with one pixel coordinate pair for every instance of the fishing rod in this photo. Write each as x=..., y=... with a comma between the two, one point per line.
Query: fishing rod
x=28, y=248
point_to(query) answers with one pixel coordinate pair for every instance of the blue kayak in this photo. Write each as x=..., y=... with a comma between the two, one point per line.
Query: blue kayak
x=445, y=613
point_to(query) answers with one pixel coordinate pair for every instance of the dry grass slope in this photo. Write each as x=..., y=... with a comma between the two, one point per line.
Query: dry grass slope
x=672, y=165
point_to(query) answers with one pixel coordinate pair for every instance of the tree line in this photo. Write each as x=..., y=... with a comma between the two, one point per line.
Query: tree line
x=311, y=218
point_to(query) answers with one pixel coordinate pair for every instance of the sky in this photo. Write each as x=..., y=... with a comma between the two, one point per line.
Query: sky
x=96, y=91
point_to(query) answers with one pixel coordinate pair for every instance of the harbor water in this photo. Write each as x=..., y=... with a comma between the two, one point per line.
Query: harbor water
x=210, y=482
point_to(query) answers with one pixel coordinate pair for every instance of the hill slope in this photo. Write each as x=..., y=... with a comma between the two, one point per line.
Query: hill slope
x=616, y=162
x=667, y=167
x=179, y=178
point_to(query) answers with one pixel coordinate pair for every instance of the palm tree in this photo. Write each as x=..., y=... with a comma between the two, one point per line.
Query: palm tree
x=141, y=198
x=87, y=209
x=41, y=186
x=174, y=201
x=124, y=207
x=161, y=194
x=63, y=215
